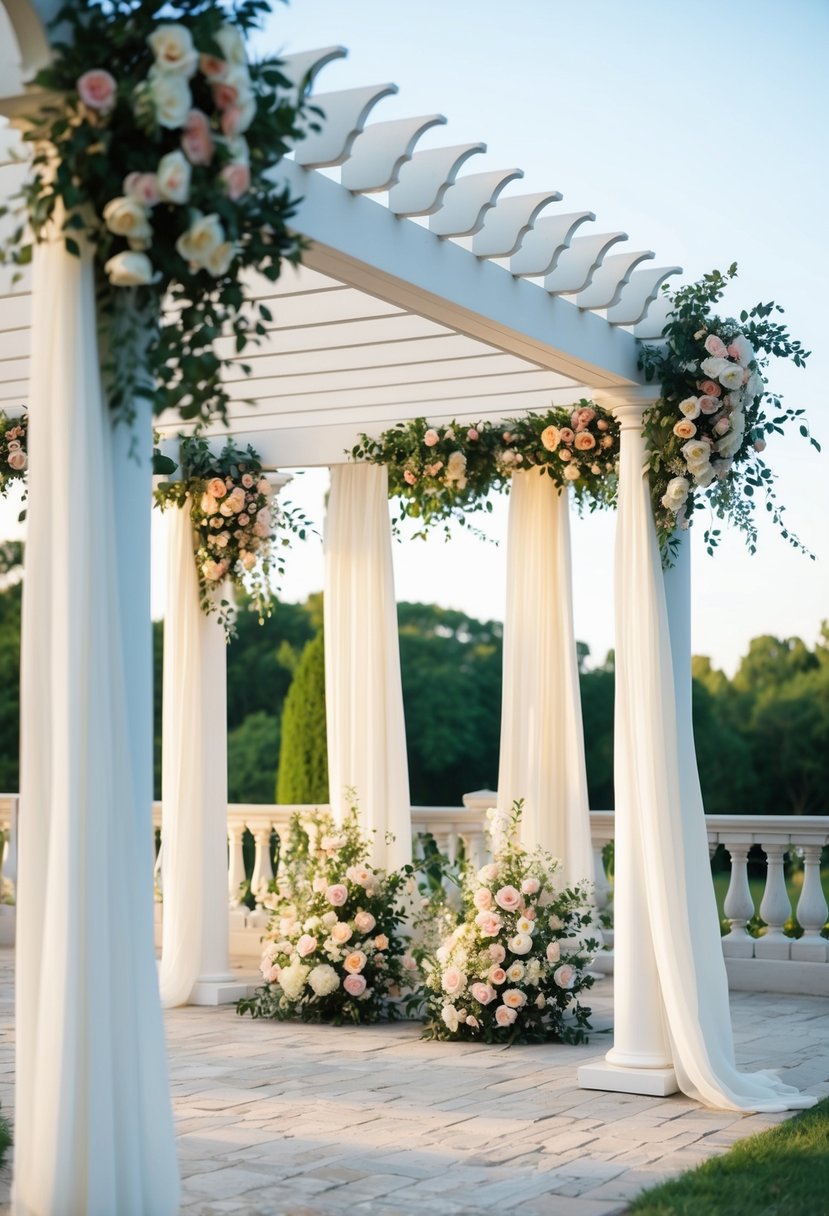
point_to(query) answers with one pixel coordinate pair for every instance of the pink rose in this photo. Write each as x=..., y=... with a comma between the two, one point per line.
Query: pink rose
x=530, y=886
x=364, y=922
x=236, y=119
x=236, y=179
x=274, y=974
x=553, y=952
x=584, y=441
x=97, y=89
x=337, y=894
x=565, y=976
x=488, y=872
x=715, y=346
x=482, y=899
x=513, y=997
x=566, y=435
x=472, y=434
x=685, y=429
x=409, y=962
x=381, y=942
x=355, y=962
x=483, y=993
x=759, y=445
x=355, y=985
x=306, y=945
x=409, y=477
x=505, y=1016
x=216, y=487
x=721, y=426
x=565, y=454
x=710, y=388
x=709, y=404
x=17, y=461
x=601, y=425
x=431, y=438
x=496, y=975
x=489, y=923
x=247, y=481
x=607, y=441
x=508, y=898
x=196, y=140
x=341, y=932
x=507, y=437
x=453, y=980
x=497, y=953
x=212, y=67
x=733, y=352
x=143, y=188
x=433, y=469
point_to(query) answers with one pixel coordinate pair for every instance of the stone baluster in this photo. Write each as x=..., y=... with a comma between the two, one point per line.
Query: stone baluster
x=812, y=910
x=476, y=846
x=262, y=870
x=775, y=908
x=236, y=863
x=739, y=906
x=452, y=844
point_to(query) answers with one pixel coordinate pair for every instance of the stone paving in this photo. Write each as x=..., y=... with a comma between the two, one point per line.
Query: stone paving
x=277, y=1119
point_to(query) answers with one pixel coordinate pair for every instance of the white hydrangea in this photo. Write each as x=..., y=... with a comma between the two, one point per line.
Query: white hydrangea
x=292, y=980
x=324, y=980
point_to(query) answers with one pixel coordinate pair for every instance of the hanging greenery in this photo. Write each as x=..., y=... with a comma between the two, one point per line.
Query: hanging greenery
x=707, y=432
x=14, y=457
x=236, y=524
x=157, y=149
x=440, y=474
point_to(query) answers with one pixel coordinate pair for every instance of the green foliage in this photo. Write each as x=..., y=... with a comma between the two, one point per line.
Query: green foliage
x=13, y=450
x=303, y=756
x=443, y=474
x=85, y=149
x=5, y=1137
x=252, y=755
x=781, y=1171
x=10, y=603
x=706, y=432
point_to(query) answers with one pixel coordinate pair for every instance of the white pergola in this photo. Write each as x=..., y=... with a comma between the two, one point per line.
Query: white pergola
x=447, y=295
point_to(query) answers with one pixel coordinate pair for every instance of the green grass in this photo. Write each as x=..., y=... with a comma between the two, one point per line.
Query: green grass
x=782, y=1172
x=794, y=885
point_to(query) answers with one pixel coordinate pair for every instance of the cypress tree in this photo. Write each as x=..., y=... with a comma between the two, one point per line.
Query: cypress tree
x=302, y=776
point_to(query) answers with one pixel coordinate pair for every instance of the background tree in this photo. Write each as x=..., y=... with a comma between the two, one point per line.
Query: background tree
x=302, y=775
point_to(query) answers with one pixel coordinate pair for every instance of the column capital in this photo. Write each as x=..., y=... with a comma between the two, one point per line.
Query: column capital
x=627, y=402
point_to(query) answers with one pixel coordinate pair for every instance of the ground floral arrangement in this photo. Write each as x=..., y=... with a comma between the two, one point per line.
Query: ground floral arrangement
x=14, y=458
x=513, y=968
x=236, y=524
x=707, y=432
x=503, y=963
x=156, y=148
x=333, y=951
x=439, y=474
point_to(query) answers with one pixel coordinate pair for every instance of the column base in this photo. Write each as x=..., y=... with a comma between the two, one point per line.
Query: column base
x=222, y=990
x=655, y=1082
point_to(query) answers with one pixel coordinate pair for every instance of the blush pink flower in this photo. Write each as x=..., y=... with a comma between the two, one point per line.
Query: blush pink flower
x=431, y=438
x=381, y=942
x=355, y=962
x=472, y=434
x=496, y=975
x=355, y=985
x=337, y=894
x=482, y=899
x=236, y=180
x=565, y=976
x=685, y=429
x=212, y=67
x=514, y=998
x=483, y=993
x=306, y=945
x=566, y=435
x=715, y=346
x=709, y=404
x=453, y=980
x=553, y=952
x=196, y=140
x=530, y=886
x=143, y=188
x=584, y=441
x=97, y=90
x=710, y=388
x=722, y=426
x=364, y=922
x=341, y=932
x=508, y=898
x=216, y=487
x=489, y=923
x=497, y=952
x=409, y=477
x=505, y=1016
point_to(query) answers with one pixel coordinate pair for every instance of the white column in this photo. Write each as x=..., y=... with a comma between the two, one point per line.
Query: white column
x=363, y=692
x=640, y=1060
x=194, y=959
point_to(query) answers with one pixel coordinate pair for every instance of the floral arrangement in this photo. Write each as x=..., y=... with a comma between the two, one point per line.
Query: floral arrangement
x=439, y=474
x=707, y=432
x=157, y=149
x=14, y=458
x=235, y=522
x=512, y=970
x=333, y=951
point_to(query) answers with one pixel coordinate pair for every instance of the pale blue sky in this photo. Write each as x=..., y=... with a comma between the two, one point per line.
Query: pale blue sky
x=698, y=129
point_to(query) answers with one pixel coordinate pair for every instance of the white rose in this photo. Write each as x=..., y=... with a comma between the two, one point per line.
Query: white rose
x=232, y=43
x=220, y=259
x=449, y=1014
x=730, y=443
x=174, y=177
x=324, y=980
x=713, y=366
x=704, y=475
x=171, y=98
x=756, y=385
x=201, y=240
x=744, y=349
x=676, y=492
x=690, y=407
x=697, y=454
x=126, y=217
x=456, y=468
x=731, y=376
x=130, y=270
x=174, y=52
x=522, y=943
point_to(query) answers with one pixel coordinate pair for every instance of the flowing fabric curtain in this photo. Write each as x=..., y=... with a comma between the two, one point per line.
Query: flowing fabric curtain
x=193, y=779
x=542, y=742
x=363, y=692
x=93, y=1126
x=657, y=790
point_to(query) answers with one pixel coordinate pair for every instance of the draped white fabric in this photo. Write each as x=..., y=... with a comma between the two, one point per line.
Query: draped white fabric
x=193, y=779
x=542, y=742
x=93, y=1126
x=363, y=692
x=657, y=791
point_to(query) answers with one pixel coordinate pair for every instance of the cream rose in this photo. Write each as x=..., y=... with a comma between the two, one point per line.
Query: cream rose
x=201, y=240
x=521, y=943
x=130, y=270
x=550, y=438
x=453, y=981
x=483, y=993
x=173, y=176
x=513, y=998
x=690, y=407
x=220, y=260
x=171, y=99
x=172, y=46
x=337, y=894
x=697, y=453
x=572, y=472
x=685, y=429
x=364, y=922
x=449, y=1015
x=127, y=217
x=505, y=1016
x=553, y=952
x=676, y=492
x=731, y=377
x=232, y=44
x=565, y=976
x=482, y=899
x=341, y=932
x=354, y=962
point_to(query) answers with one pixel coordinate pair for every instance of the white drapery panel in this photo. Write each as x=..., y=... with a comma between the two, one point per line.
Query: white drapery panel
x=93, y=1127
x=542, y=741
x=193, y=779
x=363, y=692
x=658, y=793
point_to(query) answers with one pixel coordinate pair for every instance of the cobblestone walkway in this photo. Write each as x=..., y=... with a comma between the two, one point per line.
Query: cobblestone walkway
x=277, y=1119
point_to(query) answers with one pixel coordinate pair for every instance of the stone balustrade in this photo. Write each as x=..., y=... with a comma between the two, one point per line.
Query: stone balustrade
x=773, y=961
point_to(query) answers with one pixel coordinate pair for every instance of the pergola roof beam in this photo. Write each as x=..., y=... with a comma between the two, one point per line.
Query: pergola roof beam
x=506, y=224
x=424, y=180
x=381, y=151
x=305, y=65
x=466, y=204
x=639, y=293
x=345, y=115
x=577, y=264
x=542, y=246
x=609, y=279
